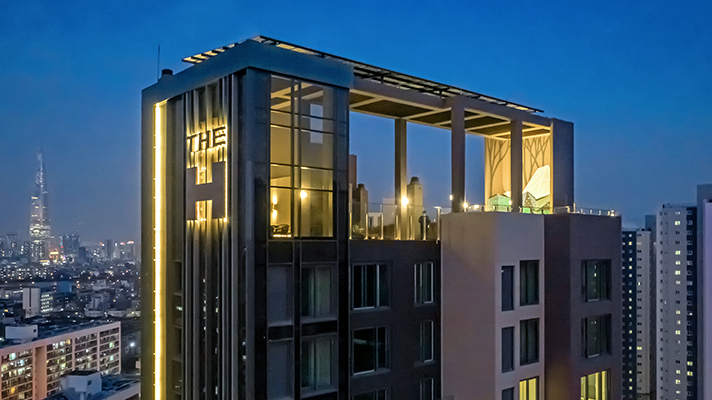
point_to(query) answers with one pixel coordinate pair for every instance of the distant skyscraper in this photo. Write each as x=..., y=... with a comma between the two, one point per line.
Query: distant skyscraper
x=70, y=244
x=639, y=313
x=39, y=219
x=109, y=249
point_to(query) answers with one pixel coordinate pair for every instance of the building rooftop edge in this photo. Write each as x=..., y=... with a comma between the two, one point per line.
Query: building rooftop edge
x=372, y=73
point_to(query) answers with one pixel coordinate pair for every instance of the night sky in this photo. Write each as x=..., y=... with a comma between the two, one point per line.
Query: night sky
x=635, y=77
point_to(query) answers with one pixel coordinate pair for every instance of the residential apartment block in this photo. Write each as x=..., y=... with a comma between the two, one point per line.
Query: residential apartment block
x=271, y=276
x=33, y=361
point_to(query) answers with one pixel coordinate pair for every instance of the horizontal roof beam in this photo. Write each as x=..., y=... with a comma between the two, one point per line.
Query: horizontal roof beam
x=501, y=111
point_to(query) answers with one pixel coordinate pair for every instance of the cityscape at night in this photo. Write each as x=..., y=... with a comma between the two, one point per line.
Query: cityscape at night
x=219, y=200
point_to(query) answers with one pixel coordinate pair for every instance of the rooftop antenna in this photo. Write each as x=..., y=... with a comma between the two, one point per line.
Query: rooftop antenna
x=158, y=64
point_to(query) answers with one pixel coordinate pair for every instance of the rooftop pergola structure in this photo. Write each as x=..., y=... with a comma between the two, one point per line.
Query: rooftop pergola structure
x=518, y=139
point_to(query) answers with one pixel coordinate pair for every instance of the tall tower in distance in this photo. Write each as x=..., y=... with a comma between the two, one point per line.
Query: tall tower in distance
x=39, y=218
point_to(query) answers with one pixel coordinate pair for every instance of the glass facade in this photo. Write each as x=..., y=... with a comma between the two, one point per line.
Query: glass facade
x=318, y=363
x=301, y=159
x=596, y=335
x=424, y=282
x=370, y=288
x=597, y=280
x=596, y=386
x=528, y=341
x=529, y=283
x=529, y=389
x=370, y=349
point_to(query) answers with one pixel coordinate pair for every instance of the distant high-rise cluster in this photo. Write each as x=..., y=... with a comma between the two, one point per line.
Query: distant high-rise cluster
x=39, y=218
x=665, y=340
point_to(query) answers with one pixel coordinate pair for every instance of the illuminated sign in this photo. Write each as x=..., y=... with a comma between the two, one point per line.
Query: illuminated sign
x=206, y=175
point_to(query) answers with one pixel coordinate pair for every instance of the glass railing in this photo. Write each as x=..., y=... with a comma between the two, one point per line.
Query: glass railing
x=378, y=221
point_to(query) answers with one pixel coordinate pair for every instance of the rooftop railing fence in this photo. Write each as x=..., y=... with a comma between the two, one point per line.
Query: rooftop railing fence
x=379, y=221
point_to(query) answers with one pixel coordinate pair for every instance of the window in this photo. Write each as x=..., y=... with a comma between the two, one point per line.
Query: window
x=529, y=389
x=597, y=335
x=529, y=341
x=427, y=389
x=596, y=280
x=507, y=288
x=375, y=395
x=508, y=349
x=370, y=349
x=596, y=386
x=318, y=363
x=317, y=291
x=301, y=159
x=424, y=282
x=426, y=341
x=508, y=394
x=529, y=283
x=370, y=286
x=279, y=369
x=279, y=299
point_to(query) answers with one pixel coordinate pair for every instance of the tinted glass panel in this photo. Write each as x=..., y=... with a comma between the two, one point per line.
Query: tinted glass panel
x=279, y=370
x=529, y=283
x=507, y=288
x=279, y=301
x=507, y=349
x=529, y=341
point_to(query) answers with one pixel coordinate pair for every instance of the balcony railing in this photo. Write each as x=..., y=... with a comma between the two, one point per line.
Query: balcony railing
x=378, y=221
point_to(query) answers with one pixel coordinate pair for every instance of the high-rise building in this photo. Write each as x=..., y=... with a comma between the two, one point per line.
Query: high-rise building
x=109, y=248
x=31, y=301
x=677, y=334
x=33, y=359
x=264, y=284
x=39, y=218
x=682, y=321
x=70, y=244
x=639, y=346
x=629, y=335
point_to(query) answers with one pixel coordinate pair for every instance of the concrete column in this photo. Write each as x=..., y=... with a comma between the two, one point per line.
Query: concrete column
x=457, y=155
x=401, y=175
x=516, y=164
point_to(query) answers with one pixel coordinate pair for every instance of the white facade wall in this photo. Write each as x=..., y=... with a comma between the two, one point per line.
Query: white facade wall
x=475, y=247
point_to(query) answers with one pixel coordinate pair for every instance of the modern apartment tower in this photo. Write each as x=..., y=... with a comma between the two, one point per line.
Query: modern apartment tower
x=639, y=349
x=39, y=217
x=677, y=336
x=268, y=275
x=629, y=302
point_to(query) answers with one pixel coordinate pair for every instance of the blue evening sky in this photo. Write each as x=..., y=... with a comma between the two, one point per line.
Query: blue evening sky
x=635, y=77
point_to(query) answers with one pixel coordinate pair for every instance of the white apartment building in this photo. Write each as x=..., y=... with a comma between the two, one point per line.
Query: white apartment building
x=676, y=316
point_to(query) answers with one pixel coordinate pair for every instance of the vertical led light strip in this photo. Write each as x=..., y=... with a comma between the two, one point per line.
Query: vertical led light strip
x=158, y=183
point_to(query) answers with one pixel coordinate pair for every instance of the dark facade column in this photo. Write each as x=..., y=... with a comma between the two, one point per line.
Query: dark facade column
x=562, y=165
x=457, y=154
x=516, y=164
x=401, y=173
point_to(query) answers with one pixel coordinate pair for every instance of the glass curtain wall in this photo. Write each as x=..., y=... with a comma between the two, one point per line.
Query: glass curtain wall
x=301, y=159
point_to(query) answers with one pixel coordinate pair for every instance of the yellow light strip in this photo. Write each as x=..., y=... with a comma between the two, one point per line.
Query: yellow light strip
x=225, y=160
x=159, y=370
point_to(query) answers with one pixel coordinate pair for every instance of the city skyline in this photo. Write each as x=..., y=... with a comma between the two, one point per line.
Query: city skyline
x=644, y=103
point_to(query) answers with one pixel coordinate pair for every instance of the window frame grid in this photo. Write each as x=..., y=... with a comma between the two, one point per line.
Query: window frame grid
x=419, y=288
